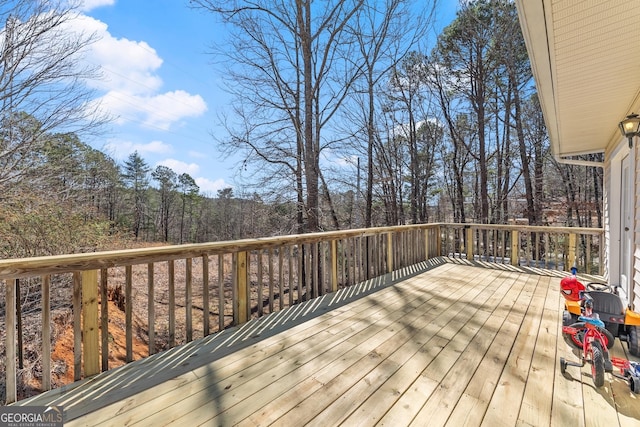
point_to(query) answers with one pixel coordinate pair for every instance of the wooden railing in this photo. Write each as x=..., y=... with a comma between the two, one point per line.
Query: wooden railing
x=190, y=291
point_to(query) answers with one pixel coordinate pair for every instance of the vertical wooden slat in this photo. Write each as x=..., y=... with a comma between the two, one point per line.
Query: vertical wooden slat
x=281, y=276
x=90, y=323
x=427, y=255
x=515, y=247
x=46, y=333
x=151, y=310
x=271, y=282
x=334, y=265
x=77, y=326
x=221, y=298
x=104, y=319
x=292, y=285
x=314, y=270
x=260, y=290
x=11, y=381
x=322, y=273
x=19, y=324
x=572, y=252
x=469, y=237
x=588, y=255
x=172, y=303
x=189, y=298
x=390, y=252
x=205, y=295
x=301, y=273
x=241, y=285
x=128, y=312
x=546, y=250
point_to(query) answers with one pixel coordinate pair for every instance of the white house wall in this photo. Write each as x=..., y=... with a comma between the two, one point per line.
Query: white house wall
x=634, y=298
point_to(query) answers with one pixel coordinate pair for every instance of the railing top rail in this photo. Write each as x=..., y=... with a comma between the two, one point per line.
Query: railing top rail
x=29, y=267
x=529, y=228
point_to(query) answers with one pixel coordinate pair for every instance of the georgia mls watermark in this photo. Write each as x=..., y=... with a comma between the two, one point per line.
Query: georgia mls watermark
x=30, y=416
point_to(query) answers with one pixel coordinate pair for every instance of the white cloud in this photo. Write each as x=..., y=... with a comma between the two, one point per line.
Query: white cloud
x=88, y=5
x=130, y=82
x=157, y=111
x=167, y=108
x=180, y=167
x=211, y=188
x=126, y=65
x=121, y=149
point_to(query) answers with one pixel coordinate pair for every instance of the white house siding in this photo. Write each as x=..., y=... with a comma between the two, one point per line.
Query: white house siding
x=606, y=220
x=634, y=298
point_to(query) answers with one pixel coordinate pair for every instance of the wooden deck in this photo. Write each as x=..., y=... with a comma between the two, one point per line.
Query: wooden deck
x=444, y=344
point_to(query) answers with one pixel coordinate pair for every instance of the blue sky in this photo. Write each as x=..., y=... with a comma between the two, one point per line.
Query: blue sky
x=159, y=85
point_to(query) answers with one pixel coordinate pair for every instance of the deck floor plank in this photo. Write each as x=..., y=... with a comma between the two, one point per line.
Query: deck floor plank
x=449, y=343
x=475, y=400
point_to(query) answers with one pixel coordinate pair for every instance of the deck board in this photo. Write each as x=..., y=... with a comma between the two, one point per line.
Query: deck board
x=448, y=344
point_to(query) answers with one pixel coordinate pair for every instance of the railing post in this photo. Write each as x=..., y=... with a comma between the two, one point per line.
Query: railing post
x=10, y=363
x=427, y=255
x=242, y=287
x=334, y=266
x=572, y=251
x=469, y=232
x=515, y=247
x=90, y=322
x=389, y=252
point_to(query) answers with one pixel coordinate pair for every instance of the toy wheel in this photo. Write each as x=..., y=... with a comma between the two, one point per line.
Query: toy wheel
x=568, y=318
x=576, y=339
x=563, y=365
x=632, y=340
x=597, y=286
x=597, y=364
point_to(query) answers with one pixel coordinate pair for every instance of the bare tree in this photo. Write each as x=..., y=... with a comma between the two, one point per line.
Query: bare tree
x=385, y=31
x=42, y=85
x=290, y=69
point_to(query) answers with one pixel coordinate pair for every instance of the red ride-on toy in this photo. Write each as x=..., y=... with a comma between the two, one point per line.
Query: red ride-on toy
x=619, y=321
x=594, y=343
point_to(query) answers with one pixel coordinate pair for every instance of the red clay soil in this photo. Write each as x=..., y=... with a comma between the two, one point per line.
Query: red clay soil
x=63, y=350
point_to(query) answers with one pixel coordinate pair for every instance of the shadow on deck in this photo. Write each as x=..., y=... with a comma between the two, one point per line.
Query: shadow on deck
x=443, y=342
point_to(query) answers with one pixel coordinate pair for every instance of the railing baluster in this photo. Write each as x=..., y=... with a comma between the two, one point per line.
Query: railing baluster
x=291, y=274
x=172, y=303
x=46, y=333
x=221, y=296
x=271, y=282
x=10, y=362
x=189, y=298
x=259, y=284
x=281, y=303
x=77, y=329
x=104, y=318
x=205, y=295
x=128, y=313
x=151, y=312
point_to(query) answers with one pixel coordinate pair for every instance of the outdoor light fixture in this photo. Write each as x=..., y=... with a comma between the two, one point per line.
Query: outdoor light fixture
x=630, y=127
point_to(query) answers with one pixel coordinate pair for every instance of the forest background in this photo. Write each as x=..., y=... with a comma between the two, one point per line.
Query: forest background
x=451, y=134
